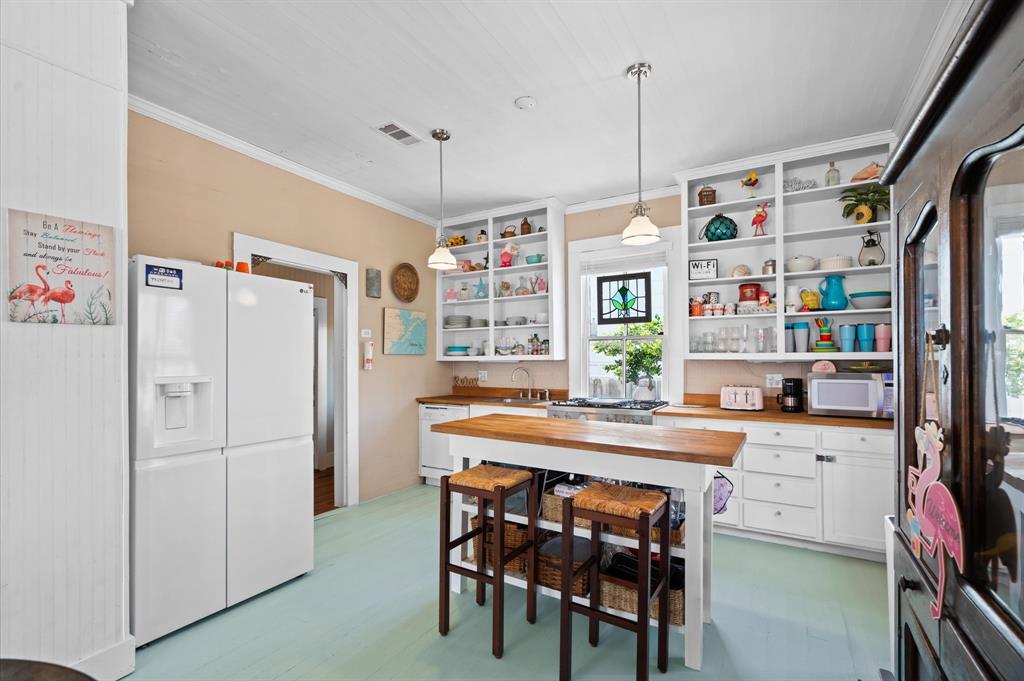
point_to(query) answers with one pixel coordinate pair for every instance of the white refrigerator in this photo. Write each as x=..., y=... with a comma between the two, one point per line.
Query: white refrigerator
x=221, y=376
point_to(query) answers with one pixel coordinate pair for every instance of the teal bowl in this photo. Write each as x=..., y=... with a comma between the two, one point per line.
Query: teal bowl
x=534, y=259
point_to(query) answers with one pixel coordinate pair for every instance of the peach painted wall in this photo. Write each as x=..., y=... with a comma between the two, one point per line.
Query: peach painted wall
x=187, y=196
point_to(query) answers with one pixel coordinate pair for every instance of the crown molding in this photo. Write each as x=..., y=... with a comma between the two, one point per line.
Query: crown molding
x=952, y=18
x=796, y=153
x=194, y=127
x=621, y=200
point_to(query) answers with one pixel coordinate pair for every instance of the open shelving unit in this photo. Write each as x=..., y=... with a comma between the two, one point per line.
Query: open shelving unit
x=805, y=222
x=484, y=244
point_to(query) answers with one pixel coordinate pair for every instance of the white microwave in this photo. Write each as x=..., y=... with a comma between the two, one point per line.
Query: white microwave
x=851, y=394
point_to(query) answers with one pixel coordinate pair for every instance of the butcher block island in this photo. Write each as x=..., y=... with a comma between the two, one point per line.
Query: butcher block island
x=679, y=459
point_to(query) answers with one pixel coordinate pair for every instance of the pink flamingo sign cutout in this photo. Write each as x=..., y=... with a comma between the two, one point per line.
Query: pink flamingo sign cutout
x=932, y=511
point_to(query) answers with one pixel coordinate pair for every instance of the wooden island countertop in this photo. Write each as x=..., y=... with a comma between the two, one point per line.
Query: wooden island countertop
x=711, y=447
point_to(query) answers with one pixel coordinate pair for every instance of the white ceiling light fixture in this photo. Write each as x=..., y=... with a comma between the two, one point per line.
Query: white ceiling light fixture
x=641, y=230
x=441, y=258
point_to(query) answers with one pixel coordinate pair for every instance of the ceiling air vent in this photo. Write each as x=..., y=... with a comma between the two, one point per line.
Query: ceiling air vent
x=397, y=133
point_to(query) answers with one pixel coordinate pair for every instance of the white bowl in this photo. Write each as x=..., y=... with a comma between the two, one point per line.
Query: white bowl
x=801, y=263
x=837, y=262
x=875, y=302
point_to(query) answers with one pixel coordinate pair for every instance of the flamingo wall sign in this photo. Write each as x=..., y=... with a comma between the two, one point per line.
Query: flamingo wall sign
x=932, y=512
x=61, y=270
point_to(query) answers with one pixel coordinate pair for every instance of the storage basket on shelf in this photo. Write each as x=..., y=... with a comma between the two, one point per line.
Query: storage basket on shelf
x=549, y=564
x=620, y=594
x=676, y=537
x=551, y=510
x=515, y=536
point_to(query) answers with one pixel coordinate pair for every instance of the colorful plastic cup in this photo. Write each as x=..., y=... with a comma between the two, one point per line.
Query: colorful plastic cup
x=866, y=337
x=883, y=337
x=847, y=337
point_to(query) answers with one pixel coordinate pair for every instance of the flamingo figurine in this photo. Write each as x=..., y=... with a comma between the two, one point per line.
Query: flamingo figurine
x=61, y=296
x=760, y=215
x=31, y=292
x=932, y=511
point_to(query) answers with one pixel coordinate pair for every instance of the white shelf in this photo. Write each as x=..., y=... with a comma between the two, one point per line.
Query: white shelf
x=521, y=268
x=731, y=280
x=471, y=301
x=532, y=296
x=468, y=328
x=839, y=313
x=519, y=580
x=520, y=326
x=834, y=232
x=468, y=248
x=787, y=356
x=724, y=206
x=466, y=275
x=823, y=193
x=847, y=271
x=735, y=317
x=533, y=237
x=729, y=244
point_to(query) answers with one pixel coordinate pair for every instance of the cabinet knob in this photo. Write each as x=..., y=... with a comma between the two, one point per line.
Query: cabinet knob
x=863, y=439
x=778, y=513
x=777, y=455
x=777, y=433
x=778, y=484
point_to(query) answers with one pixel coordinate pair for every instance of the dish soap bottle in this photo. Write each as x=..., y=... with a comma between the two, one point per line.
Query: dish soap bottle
x=831, y=175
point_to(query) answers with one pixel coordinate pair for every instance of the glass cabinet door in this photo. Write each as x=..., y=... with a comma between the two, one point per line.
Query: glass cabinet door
x=998, y=355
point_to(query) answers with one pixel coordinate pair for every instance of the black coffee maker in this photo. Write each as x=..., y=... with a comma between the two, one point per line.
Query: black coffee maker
x=791, y=398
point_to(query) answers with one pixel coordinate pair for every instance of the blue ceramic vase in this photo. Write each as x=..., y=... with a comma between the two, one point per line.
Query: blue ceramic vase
x=833, y=297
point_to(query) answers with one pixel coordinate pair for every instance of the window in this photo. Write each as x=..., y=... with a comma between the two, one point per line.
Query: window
x=624, y=338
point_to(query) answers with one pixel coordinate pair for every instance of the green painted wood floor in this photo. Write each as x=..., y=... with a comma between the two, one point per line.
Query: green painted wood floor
x=369, y=611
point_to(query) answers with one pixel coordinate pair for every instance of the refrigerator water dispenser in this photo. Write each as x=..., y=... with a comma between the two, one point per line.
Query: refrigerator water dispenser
x=184, y=410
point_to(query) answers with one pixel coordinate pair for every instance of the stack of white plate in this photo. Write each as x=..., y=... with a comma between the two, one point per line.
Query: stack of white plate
x=478, y=323
x=457, y=321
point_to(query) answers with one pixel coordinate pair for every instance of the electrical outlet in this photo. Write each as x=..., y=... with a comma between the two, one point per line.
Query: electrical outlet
x=481, y=376
x=773, y=380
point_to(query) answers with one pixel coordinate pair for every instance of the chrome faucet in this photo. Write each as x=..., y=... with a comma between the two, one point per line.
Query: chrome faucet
x=529, y=382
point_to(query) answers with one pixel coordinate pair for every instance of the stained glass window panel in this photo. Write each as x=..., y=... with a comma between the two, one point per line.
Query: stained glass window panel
x=624, y=298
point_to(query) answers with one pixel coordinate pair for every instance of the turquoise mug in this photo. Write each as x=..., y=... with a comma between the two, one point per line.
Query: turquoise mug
x=847, y=337
x=866, y=337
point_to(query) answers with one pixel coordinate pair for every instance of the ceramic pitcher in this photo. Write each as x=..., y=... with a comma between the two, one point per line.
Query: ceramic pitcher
x=833, y=297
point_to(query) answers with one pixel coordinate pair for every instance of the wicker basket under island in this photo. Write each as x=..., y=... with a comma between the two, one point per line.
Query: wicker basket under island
x=621, y=595
x=515, y=536
x=551, y=510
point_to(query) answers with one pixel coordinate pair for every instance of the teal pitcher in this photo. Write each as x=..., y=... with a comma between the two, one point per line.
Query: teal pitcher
x=833, y=297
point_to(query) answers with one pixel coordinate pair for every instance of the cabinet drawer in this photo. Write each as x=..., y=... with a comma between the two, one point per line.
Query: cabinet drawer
x=780, y=518
x=858, y=442
x=780, y=461
x=780, y=489
x=789, y=437
x=731, y=515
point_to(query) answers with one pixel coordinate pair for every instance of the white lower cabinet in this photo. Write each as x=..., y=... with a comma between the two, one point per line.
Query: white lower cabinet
x=857, y=492
x=825, y=486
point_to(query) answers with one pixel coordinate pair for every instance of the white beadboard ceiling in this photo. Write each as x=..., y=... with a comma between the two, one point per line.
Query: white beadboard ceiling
x=310, y=81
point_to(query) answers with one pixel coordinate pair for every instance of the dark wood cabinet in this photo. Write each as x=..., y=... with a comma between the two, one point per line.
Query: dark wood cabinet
x=958, y=178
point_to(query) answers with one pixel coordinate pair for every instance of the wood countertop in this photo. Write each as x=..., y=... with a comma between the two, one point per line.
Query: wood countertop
x=771, y=413
x=711, y=447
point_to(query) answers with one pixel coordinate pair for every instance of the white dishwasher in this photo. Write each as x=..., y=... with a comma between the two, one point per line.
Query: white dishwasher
x=434, y=458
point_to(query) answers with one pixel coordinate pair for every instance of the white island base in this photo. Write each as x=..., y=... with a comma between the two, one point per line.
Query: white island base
x=692, y=482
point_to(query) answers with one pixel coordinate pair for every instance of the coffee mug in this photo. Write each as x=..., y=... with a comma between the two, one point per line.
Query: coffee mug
x=866, y=337
x=793, y=295
x=711, y=297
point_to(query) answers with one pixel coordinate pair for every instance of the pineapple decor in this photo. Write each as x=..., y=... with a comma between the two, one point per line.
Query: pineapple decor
x=864, y=203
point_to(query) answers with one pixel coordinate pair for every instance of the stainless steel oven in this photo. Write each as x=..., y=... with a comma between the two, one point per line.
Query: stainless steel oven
x=851, y=394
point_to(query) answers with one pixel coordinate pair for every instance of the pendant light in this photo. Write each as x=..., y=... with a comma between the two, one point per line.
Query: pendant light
x=441, y=258
x=641, y=230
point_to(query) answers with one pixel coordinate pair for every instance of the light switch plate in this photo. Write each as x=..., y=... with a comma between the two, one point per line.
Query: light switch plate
x=365, y=333
x=773, y=380
x=481, y=376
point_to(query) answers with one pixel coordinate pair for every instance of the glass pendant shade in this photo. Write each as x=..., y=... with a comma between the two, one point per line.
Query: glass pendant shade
x=441, y=258
x=640, y=231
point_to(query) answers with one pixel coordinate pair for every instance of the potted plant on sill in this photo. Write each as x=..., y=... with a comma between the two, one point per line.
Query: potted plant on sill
x=864, y=203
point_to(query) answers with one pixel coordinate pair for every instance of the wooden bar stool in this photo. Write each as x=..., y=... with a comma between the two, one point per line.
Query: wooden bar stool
x=494, y=484
x=636, y=509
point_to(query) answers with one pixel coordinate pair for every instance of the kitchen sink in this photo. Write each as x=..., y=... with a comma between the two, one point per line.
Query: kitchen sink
x=514, y=400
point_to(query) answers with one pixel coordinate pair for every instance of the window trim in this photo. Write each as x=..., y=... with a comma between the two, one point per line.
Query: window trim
x=667, y=252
